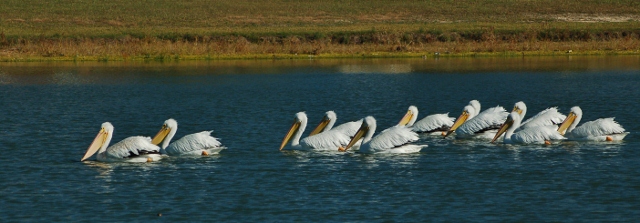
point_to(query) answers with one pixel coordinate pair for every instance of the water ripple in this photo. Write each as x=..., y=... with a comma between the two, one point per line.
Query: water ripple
x=51, y=113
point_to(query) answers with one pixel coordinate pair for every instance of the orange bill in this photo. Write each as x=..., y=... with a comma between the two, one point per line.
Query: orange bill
x=361, y=132
x=405, y=120
x=463, y=118
x=566, y=123
x=323, y=124
x=162, y=134
x=96, y=144
x=503, y=129
x=294, y=128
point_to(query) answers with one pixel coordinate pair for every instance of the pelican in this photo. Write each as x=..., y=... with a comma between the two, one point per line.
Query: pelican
x=436, y=124
x=547, y=117
x=472, y=124
x=396, y=139
x=330, y=140
x=603, y=129
x=132, y=149
x=329, y=119
x=534, y=134
x=201, y=143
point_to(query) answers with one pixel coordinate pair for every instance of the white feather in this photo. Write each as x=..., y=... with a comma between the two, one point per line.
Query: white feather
x=598, y=127
x=598, y=130
x=329, y=140
x=131, y=149
x=134, y=145
x=537, y=134
x=349, y=128
x=393, y=137
x=392, y=140
x=488, y=119
x=194, y=144
x=549, y=116
x=433, y=122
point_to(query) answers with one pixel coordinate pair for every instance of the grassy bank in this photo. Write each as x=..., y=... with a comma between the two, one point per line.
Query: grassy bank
x=163, y=30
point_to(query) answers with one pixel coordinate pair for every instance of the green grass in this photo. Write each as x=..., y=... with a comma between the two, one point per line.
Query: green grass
x=103, y=18
x=132, y=29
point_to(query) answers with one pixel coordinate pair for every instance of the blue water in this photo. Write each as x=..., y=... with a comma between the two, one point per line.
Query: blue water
x=50, y=112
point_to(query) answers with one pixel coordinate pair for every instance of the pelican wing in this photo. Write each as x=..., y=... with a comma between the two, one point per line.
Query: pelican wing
x=599, y=127
x=537, y=134
x=392, y=137
x=330, y=140
x=488, y=119
x=434, y=122
x=549, y=116
x=132, y=146
x=192, y=142
x=349, y=128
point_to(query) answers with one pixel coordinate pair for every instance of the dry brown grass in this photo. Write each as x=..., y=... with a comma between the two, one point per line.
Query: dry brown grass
x=158, y=49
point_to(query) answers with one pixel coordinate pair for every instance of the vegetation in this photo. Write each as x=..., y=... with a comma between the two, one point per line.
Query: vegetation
x=161, y=30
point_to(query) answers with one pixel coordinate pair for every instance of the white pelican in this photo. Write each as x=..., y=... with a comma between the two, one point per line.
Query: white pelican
x=132, y=149
x=604, y=129
x=396, y=139
x=472, y=124
x=329, y=119
x=201, y=143
x=549, y=116
x=534, y=134
x=436, y=124
x=330, y=140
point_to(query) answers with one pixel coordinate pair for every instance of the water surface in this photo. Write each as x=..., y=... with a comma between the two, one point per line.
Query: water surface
x=50, y=112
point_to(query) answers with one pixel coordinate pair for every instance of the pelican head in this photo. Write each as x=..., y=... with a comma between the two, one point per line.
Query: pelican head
x=101, y=141
x=327, y=122
x=468, y=113
x=165, y=134
x=410, y=118
x=299, y=124
x=572, y=120
x=521, y=108
x=512, y=122
x=366, y=130
x=476, y=106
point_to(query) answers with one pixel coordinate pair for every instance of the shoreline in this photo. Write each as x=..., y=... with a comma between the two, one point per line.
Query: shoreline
x=371, y=55
x=425, y=43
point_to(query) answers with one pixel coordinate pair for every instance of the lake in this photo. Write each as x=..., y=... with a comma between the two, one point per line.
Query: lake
x=50, y=112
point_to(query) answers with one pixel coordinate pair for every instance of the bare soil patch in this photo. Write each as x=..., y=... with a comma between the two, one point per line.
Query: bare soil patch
x=591, y=18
